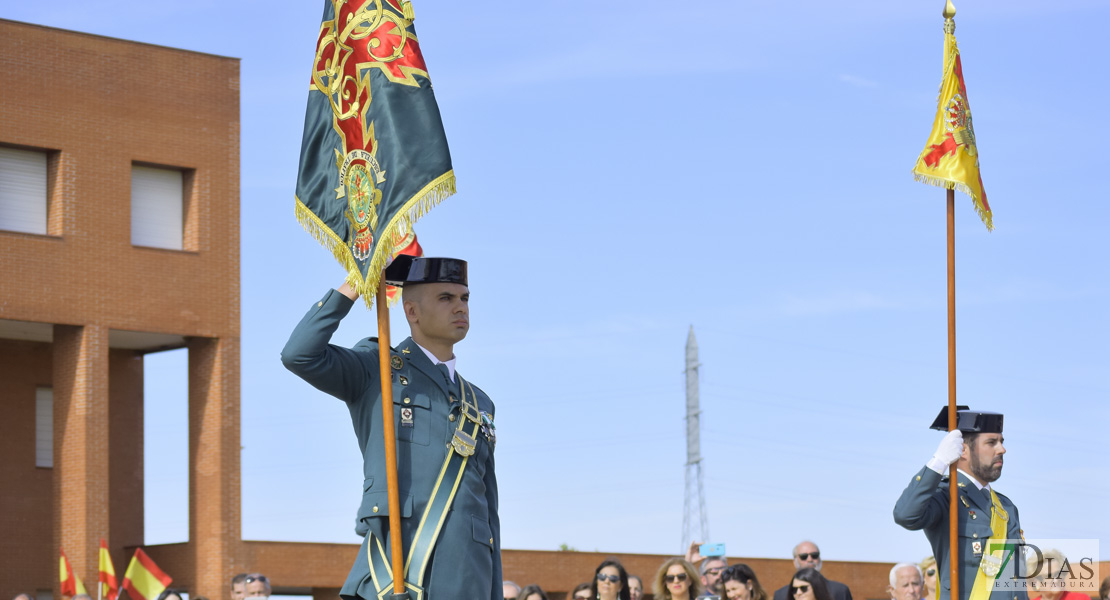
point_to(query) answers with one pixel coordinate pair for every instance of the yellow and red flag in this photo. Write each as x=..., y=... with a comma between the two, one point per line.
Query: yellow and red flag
x=950, y=158
x=109, y=586
x=71, y=583
x=143, y=579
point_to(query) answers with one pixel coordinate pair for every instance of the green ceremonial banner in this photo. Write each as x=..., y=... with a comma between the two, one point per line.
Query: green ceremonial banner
x=374, y=156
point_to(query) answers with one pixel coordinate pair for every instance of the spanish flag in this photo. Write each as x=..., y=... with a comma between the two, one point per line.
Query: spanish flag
x=71, y=583
x=109, y=586
x=950, y=158
x=143, y=579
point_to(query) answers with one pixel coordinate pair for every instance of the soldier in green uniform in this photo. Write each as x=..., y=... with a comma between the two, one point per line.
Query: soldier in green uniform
x=987, y=571
x=445, y=437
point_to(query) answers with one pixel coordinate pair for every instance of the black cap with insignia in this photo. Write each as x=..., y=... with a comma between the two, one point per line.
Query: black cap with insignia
x=969, y=421
x=422, y=269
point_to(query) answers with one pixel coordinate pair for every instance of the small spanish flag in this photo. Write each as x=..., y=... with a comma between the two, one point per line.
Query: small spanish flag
x=109, y=586
x=950, y=158
x=143, y=579
x=71, y=583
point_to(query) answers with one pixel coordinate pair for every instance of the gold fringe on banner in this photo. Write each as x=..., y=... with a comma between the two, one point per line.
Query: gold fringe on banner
x=426, y=199
x=959, y=186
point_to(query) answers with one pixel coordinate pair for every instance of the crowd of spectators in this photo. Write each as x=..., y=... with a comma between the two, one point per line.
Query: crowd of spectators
x=694, y=577
x=714, y=579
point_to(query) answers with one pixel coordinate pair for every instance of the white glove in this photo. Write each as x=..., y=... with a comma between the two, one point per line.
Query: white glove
x=948, y=452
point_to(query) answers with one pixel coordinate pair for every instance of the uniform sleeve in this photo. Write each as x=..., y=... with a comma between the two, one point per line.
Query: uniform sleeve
x=920, y=506
x=329, y=368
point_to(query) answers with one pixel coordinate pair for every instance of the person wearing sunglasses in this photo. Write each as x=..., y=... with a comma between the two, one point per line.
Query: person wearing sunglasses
x=929, y=578
x=256, y=586
x=807, y=555
x=740, y=583
x=445, y=436
x=610, y=581
x=676, y=579
x=808, y=584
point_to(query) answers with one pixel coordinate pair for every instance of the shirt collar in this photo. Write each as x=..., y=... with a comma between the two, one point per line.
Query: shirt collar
x=435, y=361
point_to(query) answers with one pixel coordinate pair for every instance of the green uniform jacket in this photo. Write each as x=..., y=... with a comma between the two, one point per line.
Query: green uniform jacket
x=924, y=505
x=466, y=561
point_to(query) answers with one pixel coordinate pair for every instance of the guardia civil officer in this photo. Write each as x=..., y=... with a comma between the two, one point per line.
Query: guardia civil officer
x=444, y=424
x=983, y=514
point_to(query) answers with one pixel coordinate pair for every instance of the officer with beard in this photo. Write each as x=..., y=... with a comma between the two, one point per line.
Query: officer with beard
x=987, y=570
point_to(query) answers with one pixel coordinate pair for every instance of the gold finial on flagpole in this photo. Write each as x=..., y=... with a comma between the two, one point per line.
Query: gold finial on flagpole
x=949, y=9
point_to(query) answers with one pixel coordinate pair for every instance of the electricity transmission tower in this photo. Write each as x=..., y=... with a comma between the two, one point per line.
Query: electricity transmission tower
x=693, y=511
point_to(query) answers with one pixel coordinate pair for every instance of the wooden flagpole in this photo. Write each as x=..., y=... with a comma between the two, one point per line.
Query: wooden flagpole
x=388, y=432
x=953, y=533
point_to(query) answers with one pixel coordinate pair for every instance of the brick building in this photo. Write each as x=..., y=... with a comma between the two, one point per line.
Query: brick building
x=119, y=236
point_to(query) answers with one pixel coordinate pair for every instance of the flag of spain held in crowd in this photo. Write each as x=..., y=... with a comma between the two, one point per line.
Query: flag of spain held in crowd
x=143, y=579
x=950, y=158
x=70, y=583
x=107, y=574
x=374, y=155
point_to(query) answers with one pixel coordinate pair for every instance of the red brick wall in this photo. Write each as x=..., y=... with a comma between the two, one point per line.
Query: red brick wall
x=104, y=104
x=26, y=499
x=99, y=105
x=125, y=454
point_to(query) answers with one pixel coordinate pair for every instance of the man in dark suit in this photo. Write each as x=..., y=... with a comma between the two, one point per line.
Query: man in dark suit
x=806, y=555
x=983, y=515
x=445, y=437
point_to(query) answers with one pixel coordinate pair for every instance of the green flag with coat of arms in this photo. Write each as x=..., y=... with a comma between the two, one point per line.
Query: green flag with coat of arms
x=374, y=155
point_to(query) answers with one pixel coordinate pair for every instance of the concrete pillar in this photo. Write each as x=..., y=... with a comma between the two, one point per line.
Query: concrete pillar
x=81, y=478
x=214, y=495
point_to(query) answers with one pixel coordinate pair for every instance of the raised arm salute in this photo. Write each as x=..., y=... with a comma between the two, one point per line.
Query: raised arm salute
x=986, y=518
x=445, y=434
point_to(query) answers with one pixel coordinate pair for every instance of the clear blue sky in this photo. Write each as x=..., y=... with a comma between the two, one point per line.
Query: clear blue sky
x=629, y=169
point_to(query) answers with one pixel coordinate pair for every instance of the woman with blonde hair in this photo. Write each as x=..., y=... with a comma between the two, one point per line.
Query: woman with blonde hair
x=676, y=580
x=929, y=578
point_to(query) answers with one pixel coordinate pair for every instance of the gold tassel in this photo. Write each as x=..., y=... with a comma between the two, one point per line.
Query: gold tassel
x=426, y=199
x=407, y=10
x=984, y=216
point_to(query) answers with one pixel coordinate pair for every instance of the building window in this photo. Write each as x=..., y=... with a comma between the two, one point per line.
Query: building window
x=157, y=207
x=23, y=190
x=44, y=427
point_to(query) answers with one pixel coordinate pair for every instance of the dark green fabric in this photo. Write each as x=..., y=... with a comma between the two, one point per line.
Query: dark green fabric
x=411, y=148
